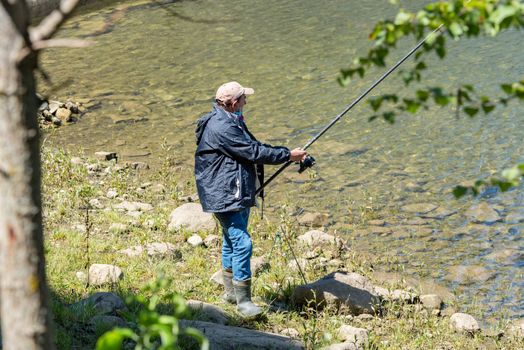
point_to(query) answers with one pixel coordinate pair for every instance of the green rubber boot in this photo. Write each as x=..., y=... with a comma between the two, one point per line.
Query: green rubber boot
x=229, y=293
x=244, y=304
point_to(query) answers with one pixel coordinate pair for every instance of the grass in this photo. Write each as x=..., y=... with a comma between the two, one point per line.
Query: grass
x=78, y=235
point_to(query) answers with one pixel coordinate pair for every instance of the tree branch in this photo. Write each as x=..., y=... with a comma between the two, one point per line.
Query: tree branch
x=72, y=43
x=50, y=24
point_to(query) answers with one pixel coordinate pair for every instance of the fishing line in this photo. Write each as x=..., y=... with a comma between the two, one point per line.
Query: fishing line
x=310, y=160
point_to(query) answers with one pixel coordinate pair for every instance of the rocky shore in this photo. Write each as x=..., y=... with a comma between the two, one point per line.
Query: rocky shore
x=355, y=302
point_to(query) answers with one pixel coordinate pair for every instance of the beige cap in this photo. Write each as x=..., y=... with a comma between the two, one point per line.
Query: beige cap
x=231, y=91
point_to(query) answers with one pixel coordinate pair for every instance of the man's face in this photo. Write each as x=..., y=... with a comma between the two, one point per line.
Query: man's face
x=240, y=103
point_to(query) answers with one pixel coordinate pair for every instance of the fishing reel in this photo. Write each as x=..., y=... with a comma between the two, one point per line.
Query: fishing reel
x=308, y=162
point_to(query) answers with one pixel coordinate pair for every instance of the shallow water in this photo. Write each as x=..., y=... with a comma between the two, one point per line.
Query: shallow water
x=154, y=70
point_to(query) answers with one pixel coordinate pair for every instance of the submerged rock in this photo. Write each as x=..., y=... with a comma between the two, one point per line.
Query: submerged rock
x=482, y=213
x=515, y=217
x=420, y=208
x=469, y=274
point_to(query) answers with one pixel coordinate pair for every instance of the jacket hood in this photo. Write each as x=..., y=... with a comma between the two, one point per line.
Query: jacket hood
x=201, y=124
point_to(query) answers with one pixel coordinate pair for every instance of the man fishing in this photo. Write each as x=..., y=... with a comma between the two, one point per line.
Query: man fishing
x=228, y=164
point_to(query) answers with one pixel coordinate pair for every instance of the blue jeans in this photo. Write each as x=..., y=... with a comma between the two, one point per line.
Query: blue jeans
x=236, y=243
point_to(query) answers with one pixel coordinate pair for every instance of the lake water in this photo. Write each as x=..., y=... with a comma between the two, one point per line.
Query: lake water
x=155, y=68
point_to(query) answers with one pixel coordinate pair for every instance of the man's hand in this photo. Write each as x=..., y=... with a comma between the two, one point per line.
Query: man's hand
x=297, y=155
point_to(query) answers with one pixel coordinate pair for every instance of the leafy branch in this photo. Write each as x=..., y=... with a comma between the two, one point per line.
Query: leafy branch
x=153, y=327
x=460, y=18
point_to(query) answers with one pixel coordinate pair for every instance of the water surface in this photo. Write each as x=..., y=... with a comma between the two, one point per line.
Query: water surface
x=156, y=66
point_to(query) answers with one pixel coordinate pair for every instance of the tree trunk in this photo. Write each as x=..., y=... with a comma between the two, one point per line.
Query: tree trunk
x=24, y=311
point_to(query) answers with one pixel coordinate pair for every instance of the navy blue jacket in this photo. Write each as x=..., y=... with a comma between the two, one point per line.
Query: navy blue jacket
x=225, y=161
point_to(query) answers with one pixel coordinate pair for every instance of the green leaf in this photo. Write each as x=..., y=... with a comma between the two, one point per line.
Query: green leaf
x=488, y=107
x=411, y=105
x=442, y=100
x=421, y=65
x=389, y=117
x=422, y=95
x=512, y=174
x=456, y=30
x=113, y=339
x=508, y=89
x=375, y=102
x=460, y=191
x=403, y=17
x=501, y=13
x=471, y=111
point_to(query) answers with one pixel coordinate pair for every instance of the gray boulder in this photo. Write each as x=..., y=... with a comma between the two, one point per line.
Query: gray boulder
x=225, y=337
x=102, y=303
x=357, y=336
x=190, y=216
x=195, y=241
x=100, y=274
x=431, y=301
x=207, y=312
x=347, y=290
x=464, y=323
x=106, y=322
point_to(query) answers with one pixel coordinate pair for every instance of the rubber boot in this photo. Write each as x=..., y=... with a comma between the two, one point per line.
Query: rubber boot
x=229, y=293
x=244, y=304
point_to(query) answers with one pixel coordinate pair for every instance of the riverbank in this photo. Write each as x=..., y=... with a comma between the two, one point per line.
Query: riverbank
x=102, y=212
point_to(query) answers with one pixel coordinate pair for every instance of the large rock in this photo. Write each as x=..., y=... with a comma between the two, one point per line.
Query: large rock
x=190, y=216
x=313, y=219
x=207, y=312
x=225, y=338
x=162, y=249
x=357, y=336
x=483, y=213
x=195, y=241
x=461, y=322
x=431, y=301
x=348, y=290
x=100, y=274
x=107, y=322
x=103, y=303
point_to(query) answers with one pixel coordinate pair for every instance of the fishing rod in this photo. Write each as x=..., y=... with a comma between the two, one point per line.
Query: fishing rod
x=310, y=161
